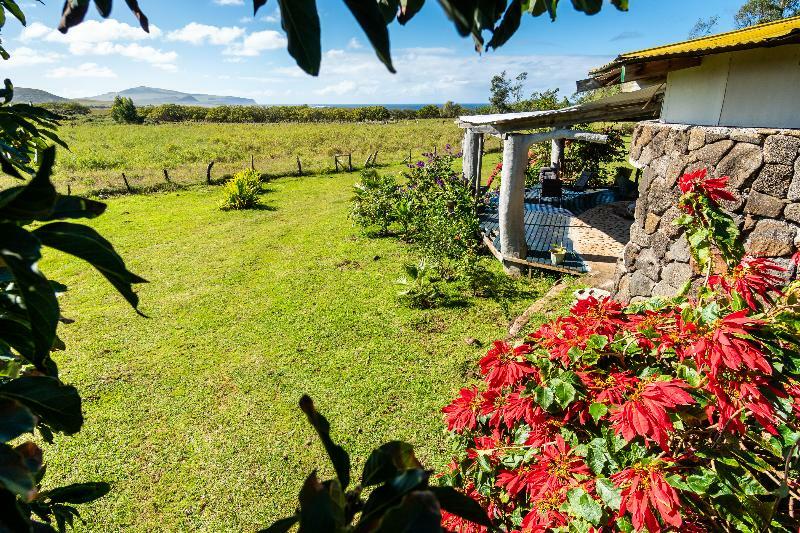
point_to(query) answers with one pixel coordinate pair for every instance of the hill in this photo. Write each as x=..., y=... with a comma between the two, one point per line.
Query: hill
x=36, y=96
x=153, y=96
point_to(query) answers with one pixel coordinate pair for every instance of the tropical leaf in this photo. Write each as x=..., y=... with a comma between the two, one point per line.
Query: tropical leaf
x=300, y=21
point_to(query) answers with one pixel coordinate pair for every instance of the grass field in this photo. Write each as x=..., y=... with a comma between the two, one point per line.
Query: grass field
x=191, y=414
x=101, y=152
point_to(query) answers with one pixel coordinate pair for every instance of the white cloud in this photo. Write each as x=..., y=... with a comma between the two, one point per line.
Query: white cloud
x=341, y=88
x=257, y=42
x=197, y=34
x=135, y=51
x=85, y=70
x=273, y=17
x=354, y=44
x=229, y=2
x=91, y=31
x=24, y=57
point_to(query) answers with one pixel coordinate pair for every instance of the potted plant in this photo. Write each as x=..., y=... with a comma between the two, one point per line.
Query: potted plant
x=557, y=254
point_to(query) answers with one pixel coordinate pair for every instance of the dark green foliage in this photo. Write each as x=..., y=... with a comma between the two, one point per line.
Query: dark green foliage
x=66, y=109
x=428, y=111
x=760, y=11
x=124, y=112
x=422, y=287
x=451, y=110
x=241, y=191
x=402, y=498
x=596, y=157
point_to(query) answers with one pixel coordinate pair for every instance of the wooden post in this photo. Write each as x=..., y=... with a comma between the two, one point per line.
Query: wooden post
x=471, y=157
x=69, y=189
x=299, y=166
x=252, y=162
x=350, y=161
x=166, y=176
x=336, y=162
x=208, y=173
x=557, y=156
x=127, y=185
x=512, y=201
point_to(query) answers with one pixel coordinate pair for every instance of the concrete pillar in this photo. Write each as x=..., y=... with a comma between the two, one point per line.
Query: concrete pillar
x=557, y=155
x=472, y=153
x=512, y=201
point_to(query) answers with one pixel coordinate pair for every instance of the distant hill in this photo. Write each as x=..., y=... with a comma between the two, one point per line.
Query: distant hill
x=23, y=95
x=152, y=96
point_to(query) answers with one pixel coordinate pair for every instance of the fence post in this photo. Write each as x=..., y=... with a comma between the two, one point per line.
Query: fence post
x=166, y=176
x=208, y=173
x=299, y=166
x=252, y=162
x=127, y=185
x=350, y=161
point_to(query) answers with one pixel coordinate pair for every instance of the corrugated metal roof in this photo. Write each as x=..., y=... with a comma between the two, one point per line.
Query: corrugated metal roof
x=637, y=105
x=784, y=31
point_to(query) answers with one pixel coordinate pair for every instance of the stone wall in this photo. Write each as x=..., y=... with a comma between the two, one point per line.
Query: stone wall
x=764, y=170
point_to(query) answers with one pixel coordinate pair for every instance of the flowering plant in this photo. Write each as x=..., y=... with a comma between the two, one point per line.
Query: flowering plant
x=671, y=414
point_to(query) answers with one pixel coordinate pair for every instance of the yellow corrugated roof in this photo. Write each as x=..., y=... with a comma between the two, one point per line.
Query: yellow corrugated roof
x=769, y=34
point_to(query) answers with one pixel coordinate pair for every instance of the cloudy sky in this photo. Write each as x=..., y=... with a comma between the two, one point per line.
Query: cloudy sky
x=217, y=47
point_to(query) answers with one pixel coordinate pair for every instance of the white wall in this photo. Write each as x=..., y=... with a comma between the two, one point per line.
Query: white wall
x=751, y=88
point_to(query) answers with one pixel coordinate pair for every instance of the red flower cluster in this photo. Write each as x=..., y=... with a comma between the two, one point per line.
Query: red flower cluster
x=698, y=182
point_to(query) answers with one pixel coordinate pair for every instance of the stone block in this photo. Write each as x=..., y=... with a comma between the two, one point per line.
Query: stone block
x=663, y=289
x=781, y=149
x=717, y=133
x=647, y=264
x=697, y=138
x=630, y=253
x=763, y=205
x=640, y=285
x=651, y=222
x=659, y=243
x=745, y=135
x=623, y=293
x=794, y=187
x=667, y=227
x=639, y=237
x=679, y=251
x=774, y=180
x=792, y=212
x=741, y=164
x=711, y=154
x=676, y=274
x=660, y=197
x=677, y=142
x=675, y=169
x=771, y=238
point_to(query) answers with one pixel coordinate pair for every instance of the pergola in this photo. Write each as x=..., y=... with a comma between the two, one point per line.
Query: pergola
x=515, y=131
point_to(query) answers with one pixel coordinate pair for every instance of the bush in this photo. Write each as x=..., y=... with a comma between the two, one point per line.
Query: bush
x=421, y=288
x=374, y=201
x=596, y=158
x=241, y=191
x=124, y=112
x=676, y=414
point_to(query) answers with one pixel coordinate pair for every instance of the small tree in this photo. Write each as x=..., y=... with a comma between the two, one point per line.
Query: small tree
x=428, y=111
x=760, y=11
x=451, y=110
x=124, y=112
x=505, y=92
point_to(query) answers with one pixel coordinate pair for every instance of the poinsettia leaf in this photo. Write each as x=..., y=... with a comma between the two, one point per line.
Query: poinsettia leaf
x=609, y=493
x=339, y=457
x=387, y=461
x=371, y=20
x=56, y=404
x=461, y=505
x=598, y=410
x=584, y=506
x=15, y=419
x=544, y=396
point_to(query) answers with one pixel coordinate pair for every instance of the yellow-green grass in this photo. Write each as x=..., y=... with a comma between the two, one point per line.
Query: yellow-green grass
x=191, y=414
x=101, y=152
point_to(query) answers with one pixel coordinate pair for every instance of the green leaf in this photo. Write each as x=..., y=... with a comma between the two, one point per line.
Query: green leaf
x=563, y=391
x=418, y=512
x=598, y=410
x=75, y=207
x=15, y=420
x=590, y=7
x=78, y=493
x=58, y=405
x=85, y=243
x=544, y=396
x=339, y=457
x=300, y=21
x=597, y=342
x=133, y=5
x=21, y=253
x=461, y=505
x=35, y=200
x=258, y=4
x=584, y=506
x=389, y=9
x=15, y=473
x=12, y=6
x=317, y=509
x=611, y=495
x=104, y=7
x=12, y=517
x=387, y=461
x=508, y=25
x=72, y=15
x=371, y=20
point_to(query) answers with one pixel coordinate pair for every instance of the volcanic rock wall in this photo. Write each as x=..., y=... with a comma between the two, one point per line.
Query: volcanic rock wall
x=764, y=170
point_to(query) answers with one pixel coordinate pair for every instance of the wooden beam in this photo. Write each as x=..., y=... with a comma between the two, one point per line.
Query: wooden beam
x=470, y=149
x=657, y=69
x=511, y=215
x=532, y=138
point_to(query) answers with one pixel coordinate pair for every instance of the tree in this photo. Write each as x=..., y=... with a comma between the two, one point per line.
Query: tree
x=300, y=21
x=704, y=27
x=506, y=93
x=760, y=11
x=428, y=111
x=124, y=112
x=451, y=110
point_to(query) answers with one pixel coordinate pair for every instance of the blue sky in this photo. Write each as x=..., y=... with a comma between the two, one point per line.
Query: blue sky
x=217, y=47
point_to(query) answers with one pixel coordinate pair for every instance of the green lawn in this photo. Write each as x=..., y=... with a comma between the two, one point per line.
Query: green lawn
x=191, y=414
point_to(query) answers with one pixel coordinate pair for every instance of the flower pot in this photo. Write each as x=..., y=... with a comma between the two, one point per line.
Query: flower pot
x=557, y=258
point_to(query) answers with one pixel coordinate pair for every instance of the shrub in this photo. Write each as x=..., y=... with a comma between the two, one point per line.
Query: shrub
x=678, y=413
x=241, y=191
x=124, y=112
x=421, y=288
x=596, y=158
x=375, y=200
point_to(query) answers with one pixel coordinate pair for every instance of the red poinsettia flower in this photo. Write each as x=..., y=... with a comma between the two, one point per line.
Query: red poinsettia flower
x=504, y=365
x=754, y=276
x=494, y=404
x=608, y=388
x=462, y=413
x=544, y=428
x=644, y=490
x=456, y=524
x=490, y=446
x=598, y=316
x=723, y=345
x=715, y=189
x=645, y=411
x=739, y=392
x=677, y=336
x=519, y=407
x=559, y=337
x=545, y=514
x=556, y=467
x=796, y=258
